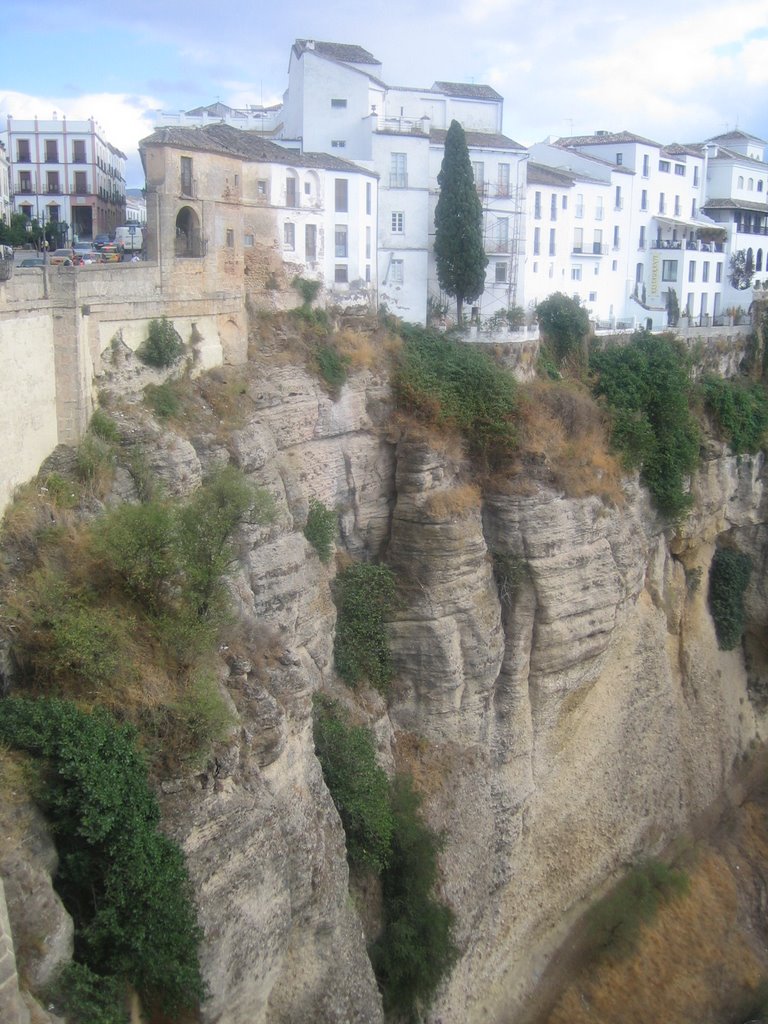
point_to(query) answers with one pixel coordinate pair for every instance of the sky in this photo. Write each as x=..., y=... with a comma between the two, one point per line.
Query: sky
x=677, y=71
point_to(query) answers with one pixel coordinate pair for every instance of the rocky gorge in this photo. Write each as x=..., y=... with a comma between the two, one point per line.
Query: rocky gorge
x=562, y=721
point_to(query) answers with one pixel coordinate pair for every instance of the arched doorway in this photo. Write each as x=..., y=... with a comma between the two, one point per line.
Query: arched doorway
x=188, y=241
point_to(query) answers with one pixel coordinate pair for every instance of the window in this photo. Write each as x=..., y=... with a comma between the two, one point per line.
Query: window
x=78, y=151
x=51, y=151
x=502, y=234
x=230, y=238
x=669, y=270
x=579, y=211
x=692, y=270
x=646, y=166
x=310, y=242
x=261, y=187
x=398, y=222
x=597, y=243
x=535, y=268
x=565, y=202
x=307, y=187
x=578, y=239
x=237, y=181
x=338, y=144
x=338, y=104
x=340, y=241
x=619, y=159
x=696, y=177
x=750, y=184
x=398, y=170
x=25, y=181
x=664, y=166
x=289, y=236
x=537, y=241
x=368, y=265
x=639, y=271
x=615, y=265
x=396, y=274
x=551, y=241
x=641, y=243
x=52, y=182
x=693, y=208
x=677, y=206
x=593, y=296
x=718, y=272
x=644, y=199
x=503, y=179
x=340, y=273
x=740, y=182
x=680, y=170
x=248, y=241
x=22, y=151
x=662, y=202
x=599, y=208
x=478, y=170
x=759, y=184
x=341, y=188
x=501, y=273
x=705, y=272
x=368, y=197
x=81, y=183
x=291, y=198
x=368, y=243
x=537, y=205
x=619, y=202
x=553, y=208
x=186, y=175
x=616, y=241
x=575, y=273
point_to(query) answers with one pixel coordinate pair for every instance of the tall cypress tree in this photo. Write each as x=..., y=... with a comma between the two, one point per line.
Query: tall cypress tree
x=459, y=254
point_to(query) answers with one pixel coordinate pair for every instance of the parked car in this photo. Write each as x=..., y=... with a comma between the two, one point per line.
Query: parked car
x=32, y=261
x=101, y=240
x=62, y=257
x=84, y=246
x=111, y=253
x=90, y=256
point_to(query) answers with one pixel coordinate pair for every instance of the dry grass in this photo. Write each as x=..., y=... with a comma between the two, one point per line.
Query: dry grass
x=17, y=772
x=563, y=430
x=703, y=956
x=454, y=503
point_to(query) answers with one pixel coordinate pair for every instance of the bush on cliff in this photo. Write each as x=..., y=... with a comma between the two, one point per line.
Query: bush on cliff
x=728, y=579
x=451, y=385
x=163, y=346
x=363, y=593
x=320, y=529
x=647, y=387
x=124, y=883
x=739, y=411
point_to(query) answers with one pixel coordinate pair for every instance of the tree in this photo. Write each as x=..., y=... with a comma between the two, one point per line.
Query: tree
x=741, y=269
x=459, y=254
x=673, y=308
x=564, y=322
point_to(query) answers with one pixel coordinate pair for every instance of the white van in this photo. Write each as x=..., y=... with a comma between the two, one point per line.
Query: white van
x=130, y=237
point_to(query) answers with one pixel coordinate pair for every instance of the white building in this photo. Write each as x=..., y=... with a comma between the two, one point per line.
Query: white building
x=5, y=186
x=254, y=117
x=65, y=172
x=338, y=102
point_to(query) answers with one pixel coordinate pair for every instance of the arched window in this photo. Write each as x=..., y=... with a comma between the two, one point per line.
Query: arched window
x=740, y=181
x=750, y=184
x=759, y=260
x=188, y=241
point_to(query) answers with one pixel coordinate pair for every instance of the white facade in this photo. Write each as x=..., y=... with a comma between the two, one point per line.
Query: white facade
x=5, y=186
x=65, y=172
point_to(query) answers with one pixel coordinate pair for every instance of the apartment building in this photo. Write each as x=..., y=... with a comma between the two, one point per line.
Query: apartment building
x=65, y=172
x=231, y=197
x=337, y=101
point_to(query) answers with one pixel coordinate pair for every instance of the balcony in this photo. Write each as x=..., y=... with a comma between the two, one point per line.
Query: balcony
x=24, y=190
x=590, y=249
x=666, y=243
x=53, y=190
x=403, y=125
x=497, y=245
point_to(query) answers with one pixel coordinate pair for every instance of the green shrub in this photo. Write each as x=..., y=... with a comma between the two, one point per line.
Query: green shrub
x=320, y=530
x=104, y=427
x=564, y=323
x=647, y=387
x=163, y=400
x=740, y=411
x=307, y=289
x=124, y=883
x=162, y=347
x=728, y=579
x=364, y=593
x=613, y=923
x=95, y=460
x=509, y=571
x=137, y=544
x=359, y=787
x=88, y=998
x=450, y=384
x=415, y=950
x=332, y=367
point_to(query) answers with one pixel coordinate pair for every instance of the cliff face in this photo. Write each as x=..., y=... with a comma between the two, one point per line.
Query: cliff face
x=559, y=696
